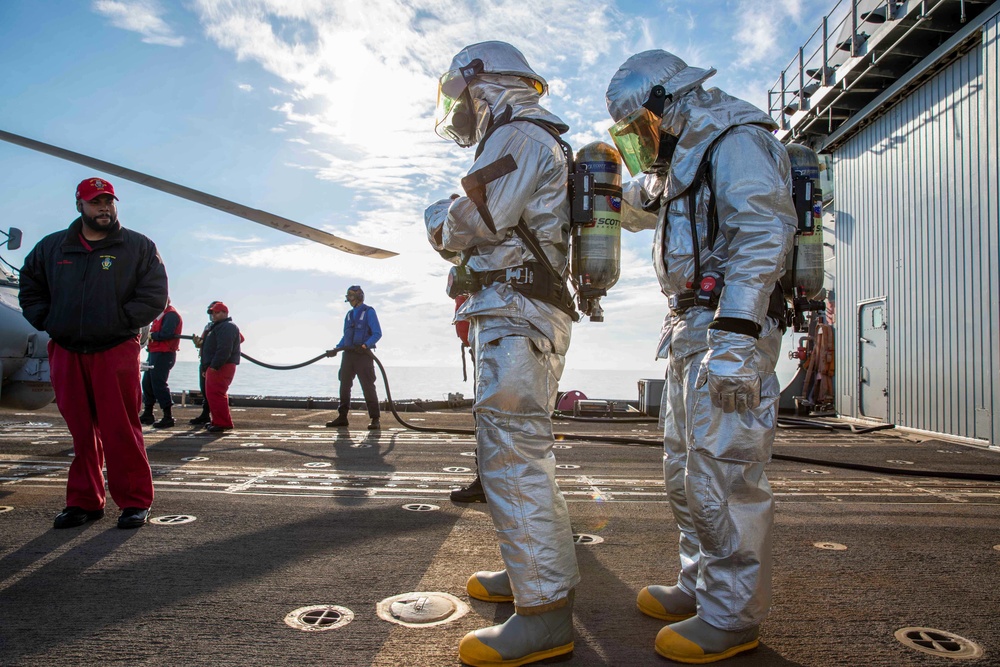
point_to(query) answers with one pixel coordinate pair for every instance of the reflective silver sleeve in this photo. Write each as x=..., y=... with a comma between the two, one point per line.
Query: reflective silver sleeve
x=506, y=197
x=751, y=178
x=434, y=219
x=634, y=219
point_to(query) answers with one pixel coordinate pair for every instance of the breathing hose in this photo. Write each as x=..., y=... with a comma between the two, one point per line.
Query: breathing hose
x=785, y=422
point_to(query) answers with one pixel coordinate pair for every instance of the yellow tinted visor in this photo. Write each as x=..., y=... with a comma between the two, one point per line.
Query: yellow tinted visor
x=451, y=89
x=637, y=137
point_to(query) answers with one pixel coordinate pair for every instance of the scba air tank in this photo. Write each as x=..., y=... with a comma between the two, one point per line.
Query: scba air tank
x=596, y=257
x=804, y=273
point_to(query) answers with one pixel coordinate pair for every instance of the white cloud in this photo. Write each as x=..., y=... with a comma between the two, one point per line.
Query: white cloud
x=362, y=78
x=763, y=26
x=245, y=87
x=141, y=16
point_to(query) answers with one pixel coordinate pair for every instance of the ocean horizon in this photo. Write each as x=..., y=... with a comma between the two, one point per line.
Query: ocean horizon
x=405, y=382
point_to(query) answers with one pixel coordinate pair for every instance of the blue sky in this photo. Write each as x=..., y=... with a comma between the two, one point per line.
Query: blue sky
x=322, y=111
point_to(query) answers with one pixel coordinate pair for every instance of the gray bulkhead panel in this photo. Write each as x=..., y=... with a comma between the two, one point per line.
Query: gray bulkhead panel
x=917, y=222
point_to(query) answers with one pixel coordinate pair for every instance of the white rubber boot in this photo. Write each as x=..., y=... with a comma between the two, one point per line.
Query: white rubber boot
x=490, y=587
x=667, y=603
x=695, y=641
x=522, y=639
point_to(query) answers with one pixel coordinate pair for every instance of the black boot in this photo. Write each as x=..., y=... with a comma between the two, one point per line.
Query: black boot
x=473, y=493
x=339, y=421
x=167, y=421
x=203, y=418
x=147, y=417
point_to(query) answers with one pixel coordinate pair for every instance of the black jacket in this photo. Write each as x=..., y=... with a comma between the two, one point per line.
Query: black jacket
x=222, y=345
x=92, y=301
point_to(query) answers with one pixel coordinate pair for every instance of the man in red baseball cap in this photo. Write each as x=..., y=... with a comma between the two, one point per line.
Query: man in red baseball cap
x=220, y=354
x=92, y=287
x=91, y=187
x=206, y=416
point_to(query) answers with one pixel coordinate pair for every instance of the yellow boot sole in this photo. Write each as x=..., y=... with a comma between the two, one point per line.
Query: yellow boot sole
x=473, y=652
x=674, y=647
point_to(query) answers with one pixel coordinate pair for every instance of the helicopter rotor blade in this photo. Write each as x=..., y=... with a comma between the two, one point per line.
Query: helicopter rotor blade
x=239, y=210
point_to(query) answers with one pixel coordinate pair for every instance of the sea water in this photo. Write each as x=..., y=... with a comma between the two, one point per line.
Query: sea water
x=405, y=382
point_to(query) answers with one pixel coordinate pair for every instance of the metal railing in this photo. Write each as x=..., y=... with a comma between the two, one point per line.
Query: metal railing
x=826, y=57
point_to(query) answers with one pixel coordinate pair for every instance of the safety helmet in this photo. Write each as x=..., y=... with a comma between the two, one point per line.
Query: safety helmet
x=356, y=292
x=640, y=92
x=461, y=117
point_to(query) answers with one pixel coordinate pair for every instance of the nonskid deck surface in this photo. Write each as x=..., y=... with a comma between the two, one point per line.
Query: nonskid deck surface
x=290, y=514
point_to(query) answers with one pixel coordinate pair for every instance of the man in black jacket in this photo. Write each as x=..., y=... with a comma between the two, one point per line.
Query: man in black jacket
x=221, y=352
x=91, y=288
x=206, y=415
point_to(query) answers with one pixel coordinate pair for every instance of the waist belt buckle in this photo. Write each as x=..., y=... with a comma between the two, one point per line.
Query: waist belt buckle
x=680, y=302
x=519, y=275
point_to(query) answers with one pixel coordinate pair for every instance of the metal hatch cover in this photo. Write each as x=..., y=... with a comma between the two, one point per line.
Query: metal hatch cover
x=422, y=609
x=939, y=643
x=319, y=617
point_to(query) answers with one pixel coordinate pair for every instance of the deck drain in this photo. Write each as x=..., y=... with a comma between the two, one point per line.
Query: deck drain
x=421, y=609
x=814, y=471
x=562, y=446
x=995, y=546
x=319, y=617
x=457, y=469
x=900, y=462
x=361, y=445
x=467, y=454
x=250, y=444
x=584, y=538
x=8, y=508
x=318, y=464
x=195, y=458
x=938, y=642
x=173, y=519
x=263, y=449
x=830, y=546
x=566, y=466
x=420, y=507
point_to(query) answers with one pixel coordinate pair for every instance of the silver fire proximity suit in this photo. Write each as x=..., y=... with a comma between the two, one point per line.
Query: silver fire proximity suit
x=520, y=342
x=714, y=455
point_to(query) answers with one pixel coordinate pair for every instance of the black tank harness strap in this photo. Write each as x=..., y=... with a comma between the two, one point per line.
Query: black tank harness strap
x=702, y=175
x=706, y=293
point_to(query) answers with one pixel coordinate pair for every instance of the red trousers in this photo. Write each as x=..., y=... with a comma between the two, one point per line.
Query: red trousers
x=99, y=396
x=217, y=393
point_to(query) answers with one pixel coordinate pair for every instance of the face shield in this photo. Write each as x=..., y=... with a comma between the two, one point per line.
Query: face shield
x=637, y=137
x=459, y=116
x=643, y=145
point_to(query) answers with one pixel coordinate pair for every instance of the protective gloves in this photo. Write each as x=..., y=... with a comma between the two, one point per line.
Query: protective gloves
x=730, y=370
x=333, y=352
